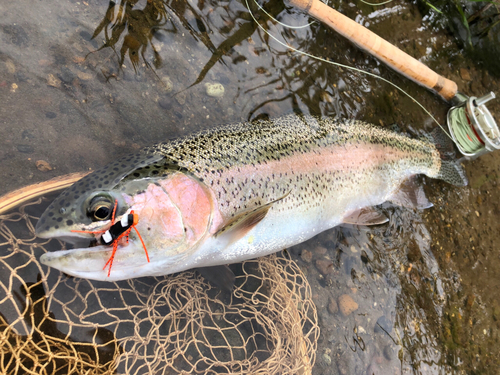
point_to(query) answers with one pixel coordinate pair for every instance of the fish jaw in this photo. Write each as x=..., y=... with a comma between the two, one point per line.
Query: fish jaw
x=91, y=263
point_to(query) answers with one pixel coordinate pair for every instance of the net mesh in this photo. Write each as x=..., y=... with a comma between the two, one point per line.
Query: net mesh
x=54, y=324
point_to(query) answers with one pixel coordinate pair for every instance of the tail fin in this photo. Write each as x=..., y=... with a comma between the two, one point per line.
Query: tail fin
x=451, y=171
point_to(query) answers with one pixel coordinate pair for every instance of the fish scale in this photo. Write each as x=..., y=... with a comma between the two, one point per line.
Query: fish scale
x=215, y=155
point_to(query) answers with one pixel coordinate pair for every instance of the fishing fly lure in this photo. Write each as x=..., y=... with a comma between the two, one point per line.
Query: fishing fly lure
x=117, y=231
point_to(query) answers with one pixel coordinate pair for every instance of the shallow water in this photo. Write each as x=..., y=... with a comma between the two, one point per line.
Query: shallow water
x=424, y=284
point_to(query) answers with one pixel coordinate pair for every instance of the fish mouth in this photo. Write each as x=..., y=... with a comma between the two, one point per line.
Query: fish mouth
x=92, y=262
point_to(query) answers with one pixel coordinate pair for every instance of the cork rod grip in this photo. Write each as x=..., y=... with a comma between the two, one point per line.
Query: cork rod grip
x=378, y=47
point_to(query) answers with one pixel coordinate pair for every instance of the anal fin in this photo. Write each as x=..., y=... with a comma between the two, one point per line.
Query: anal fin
x=411, y=195
x=365, y=216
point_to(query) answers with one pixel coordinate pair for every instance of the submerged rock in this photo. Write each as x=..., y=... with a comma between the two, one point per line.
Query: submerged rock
x=347, y=305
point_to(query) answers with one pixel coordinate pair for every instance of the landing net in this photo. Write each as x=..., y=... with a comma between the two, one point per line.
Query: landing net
x=51, y=323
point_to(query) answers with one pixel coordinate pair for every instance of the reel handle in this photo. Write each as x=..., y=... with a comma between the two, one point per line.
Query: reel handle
x=379, y=47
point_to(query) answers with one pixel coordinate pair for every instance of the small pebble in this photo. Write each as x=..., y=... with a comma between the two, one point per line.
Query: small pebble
x=53, y=81
x=181, y=98
x=26, y=149
x=324, y=266
x=332, y=306
x=165, y=103
x=167, y=84
x=43, y=166
x=306, y=256
x=464, y=73
x=320, y=250
x=215, y=90
x=347, y=304
x=84, y=76
x=388, y=353
x=327, y=359
x=11, y=68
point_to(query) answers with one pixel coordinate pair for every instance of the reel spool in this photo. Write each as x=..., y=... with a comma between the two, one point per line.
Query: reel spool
x=473, y=128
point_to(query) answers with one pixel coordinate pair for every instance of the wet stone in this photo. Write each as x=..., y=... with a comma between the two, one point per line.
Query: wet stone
x=389, y=353
x=324, y=266
x=306, y=256
x=181, y=98
x=347, y=305
x=15, y=34
x=53, y=81
x=165, y=103
x=21, y=76
x=383, y=324
x=50, y=115
x=66, y=75
x=215, y=90
x=26, y=134
x=167, y=84
x=43, y=166
x=464, y=74
x=85, y=76
x=332, y=306
x=85, y=35
x=26, y=149
x=320, y=250
x=327, y=359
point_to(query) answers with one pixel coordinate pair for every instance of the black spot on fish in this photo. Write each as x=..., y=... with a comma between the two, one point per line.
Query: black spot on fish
x=56, y=227
x=51, y=214
x=69, y=222
x=59, y=219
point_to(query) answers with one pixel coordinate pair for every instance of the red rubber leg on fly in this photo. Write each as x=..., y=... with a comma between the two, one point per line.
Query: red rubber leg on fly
x=143, y=245
x=111, y=258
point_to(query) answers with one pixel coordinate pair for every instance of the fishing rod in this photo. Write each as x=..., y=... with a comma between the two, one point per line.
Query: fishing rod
x=471, y=125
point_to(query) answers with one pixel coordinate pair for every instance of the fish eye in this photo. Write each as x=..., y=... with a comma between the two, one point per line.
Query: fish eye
x=100, y=208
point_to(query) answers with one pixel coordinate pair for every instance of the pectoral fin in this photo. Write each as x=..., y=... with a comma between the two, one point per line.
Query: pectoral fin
x=365, y=216
x=241, y=224
x=411, y=195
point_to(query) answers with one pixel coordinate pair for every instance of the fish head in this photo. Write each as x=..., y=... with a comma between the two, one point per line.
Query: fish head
x=174, y=212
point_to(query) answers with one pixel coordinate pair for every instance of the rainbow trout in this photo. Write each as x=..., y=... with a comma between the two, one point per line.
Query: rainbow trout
x=238, y=192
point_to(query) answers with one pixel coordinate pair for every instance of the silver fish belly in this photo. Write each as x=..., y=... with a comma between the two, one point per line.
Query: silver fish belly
x=238, y=192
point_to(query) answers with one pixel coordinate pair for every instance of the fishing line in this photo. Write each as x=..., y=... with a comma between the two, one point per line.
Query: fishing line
x=345, y=67
x=377, y=4
x=473, y=127
x=281, y=23
x=463, y=131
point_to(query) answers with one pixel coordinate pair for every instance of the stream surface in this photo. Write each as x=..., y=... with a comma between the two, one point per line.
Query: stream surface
x=82, y=83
